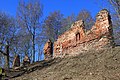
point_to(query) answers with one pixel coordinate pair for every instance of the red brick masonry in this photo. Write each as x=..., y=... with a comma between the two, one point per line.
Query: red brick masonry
x=48, y=50
x=77, y=39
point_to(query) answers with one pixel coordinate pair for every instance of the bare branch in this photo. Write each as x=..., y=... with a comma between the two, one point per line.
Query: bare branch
x=2, y=52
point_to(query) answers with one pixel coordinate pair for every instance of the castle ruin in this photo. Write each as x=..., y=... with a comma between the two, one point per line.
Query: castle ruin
x=77, y=39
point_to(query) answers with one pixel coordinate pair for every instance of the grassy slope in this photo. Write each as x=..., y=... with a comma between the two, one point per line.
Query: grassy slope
x=100, y=65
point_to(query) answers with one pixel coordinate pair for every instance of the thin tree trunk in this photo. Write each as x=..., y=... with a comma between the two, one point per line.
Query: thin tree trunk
x=38, y=54
x=33, y=46
x=7, y=57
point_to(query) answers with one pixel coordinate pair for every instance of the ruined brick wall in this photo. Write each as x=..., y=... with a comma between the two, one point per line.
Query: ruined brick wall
x=48, y=51
x=77, y=40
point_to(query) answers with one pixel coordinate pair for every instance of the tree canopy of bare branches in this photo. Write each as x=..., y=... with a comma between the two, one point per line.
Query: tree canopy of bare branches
x=28, y=17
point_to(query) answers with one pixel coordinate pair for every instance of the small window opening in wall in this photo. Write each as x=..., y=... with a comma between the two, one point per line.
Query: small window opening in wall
x=77, y=36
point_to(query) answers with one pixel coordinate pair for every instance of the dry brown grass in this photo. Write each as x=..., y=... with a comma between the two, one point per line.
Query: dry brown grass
x=92, y=65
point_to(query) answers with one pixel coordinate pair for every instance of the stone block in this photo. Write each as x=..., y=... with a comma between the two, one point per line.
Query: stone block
x=16, y=62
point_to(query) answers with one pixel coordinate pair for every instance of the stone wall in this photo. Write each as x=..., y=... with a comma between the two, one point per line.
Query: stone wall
x=77, y=39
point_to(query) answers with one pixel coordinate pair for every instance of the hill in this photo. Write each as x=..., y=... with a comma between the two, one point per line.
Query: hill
x=92, y=65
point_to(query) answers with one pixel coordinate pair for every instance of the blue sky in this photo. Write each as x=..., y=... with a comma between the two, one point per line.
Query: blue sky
x=66, y=7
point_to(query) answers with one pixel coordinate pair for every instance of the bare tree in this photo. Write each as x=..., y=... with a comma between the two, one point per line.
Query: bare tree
x=86, y=17
x=28, y=15
x=7, y=34
x=52, y=25
x=67, y=22
x=116, y=5
x=115, y=12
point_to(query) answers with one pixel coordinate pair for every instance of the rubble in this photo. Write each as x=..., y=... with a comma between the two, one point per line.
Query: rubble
x=26, y=61
x=16, y=62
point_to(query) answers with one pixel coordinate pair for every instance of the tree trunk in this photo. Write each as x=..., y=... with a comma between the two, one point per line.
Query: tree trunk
x=33, y=46
x=7, y=57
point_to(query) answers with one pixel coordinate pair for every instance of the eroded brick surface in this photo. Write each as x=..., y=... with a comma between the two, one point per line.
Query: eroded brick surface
x=77, y=40
x=48, y=50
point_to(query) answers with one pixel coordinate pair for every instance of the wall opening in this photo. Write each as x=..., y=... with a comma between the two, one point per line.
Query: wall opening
x=77, y=36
